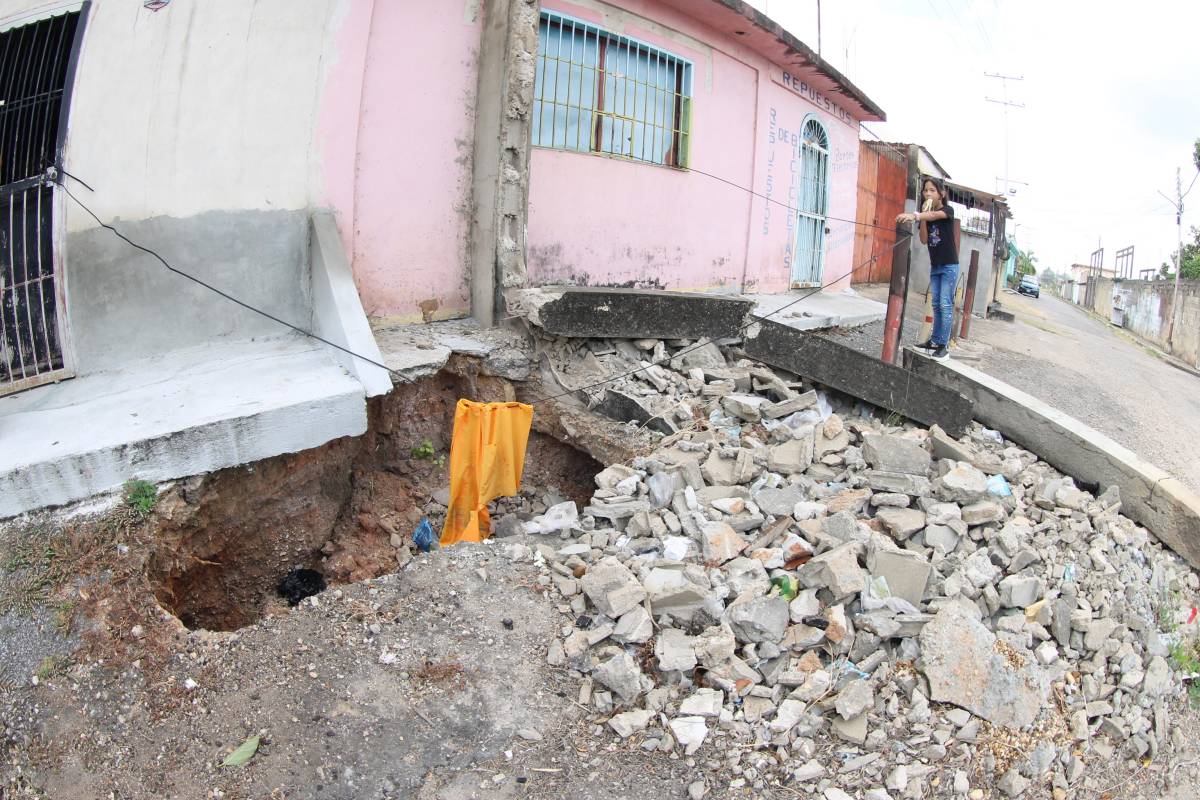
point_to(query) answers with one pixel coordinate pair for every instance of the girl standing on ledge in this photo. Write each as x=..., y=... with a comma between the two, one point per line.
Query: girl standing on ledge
x=937, y=231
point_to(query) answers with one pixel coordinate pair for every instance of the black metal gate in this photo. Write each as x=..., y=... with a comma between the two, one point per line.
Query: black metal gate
x=37, y=63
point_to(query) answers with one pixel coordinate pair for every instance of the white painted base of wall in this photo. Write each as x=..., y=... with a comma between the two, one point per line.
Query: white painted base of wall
x=184, y=413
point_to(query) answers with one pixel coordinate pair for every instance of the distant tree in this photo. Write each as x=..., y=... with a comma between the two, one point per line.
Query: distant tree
x=1026, y=262
x=1191, y=256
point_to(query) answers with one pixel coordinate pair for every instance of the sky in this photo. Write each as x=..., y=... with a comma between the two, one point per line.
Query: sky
x=1111, y=106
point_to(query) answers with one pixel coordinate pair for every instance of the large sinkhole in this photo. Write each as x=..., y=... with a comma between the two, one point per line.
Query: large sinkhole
x=223, y=542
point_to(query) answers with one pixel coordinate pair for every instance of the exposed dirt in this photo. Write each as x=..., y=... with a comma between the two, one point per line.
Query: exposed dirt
x=221, y=543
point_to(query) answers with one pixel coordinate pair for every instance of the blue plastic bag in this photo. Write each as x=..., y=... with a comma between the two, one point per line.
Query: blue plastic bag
x=998, y=486
x=423, y=536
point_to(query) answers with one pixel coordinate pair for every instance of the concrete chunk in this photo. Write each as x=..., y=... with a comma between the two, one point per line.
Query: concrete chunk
x=634, y=626
x=791, y=456
x=901, y=523
x=896, y=454
x=763, y=619
x=968, y=666
x=678, y=592
x=622, y=675
x=675, y=650
x=836, y=570
x=912, y=485
x=720, y=542
x=612, y=588
x=791, y=406
x=906, y=572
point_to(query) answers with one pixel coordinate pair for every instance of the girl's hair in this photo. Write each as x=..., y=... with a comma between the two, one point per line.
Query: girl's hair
x=941, y=188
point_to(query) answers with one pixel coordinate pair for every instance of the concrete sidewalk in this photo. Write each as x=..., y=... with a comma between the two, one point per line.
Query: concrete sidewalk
x=171, y=416
x=805, y=310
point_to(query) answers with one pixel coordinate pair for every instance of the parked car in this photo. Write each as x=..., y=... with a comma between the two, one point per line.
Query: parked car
x=1029, y=285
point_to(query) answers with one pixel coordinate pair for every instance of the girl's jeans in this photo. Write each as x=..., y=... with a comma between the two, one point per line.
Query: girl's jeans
x=942, y=281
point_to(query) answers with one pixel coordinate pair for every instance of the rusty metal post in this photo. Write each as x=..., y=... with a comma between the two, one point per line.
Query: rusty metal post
x=969, y=300
x=897, y=296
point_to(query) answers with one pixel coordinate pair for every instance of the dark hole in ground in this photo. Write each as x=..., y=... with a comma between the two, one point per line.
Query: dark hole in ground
x=224, y=542
x=299, y=584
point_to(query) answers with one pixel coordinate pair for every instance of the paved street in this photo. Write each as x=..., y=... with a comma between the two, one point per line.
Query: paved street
x=1091, y=370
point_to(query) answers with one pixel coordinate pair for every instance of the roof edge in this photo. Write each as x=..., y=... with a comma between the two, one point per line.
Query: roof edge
x=765, y=23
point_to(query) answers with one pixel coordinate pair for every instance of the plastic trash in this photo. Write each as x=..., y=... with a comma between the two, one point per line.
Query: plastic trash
x=423, y=535
x=823, y=406
x=787, y=585
x=1069, y=573
x=879, y=595
x=560, y=517
x=807, y=509
x=993, y=435
x=663, y=486
x=675, y=548
x=998, y=486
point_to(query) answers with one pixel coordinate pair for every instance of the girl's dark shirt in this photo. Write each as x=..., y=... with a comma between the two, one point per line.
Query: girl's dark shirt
x=941, y=239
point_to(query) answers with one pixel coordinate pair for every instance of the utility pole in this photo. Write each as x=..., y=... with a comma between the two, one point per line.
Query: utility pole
x=1006, y=103
x=818, y=27
x=1178, y=203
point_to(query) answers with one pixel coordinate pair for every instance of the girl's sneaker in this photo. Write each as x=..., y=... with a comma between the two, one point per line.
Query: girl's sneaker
x=941, y=352
x=926, y=345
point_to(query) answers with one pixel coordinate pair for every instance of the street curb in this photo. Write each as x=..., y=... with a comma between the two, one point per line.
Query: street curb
x=1149, y=495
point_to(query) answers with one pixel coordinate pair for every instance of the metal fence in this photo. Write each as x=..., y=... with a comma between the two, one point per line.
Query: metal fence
x=35, y=67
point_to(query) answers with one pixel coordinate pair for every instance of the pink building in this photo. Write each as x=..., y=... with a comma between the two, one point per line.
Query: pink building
x=651, y=118
x=647, y=120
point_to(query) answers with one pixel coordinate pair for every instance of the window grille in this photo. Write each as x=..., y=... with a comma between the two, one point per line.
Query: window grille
x=812, y=205
x=35, y=66
x=599, y=92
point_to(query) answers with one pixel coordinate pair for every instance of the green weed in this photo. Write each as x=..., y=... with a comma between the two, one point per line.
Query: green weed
x=47, y=668
x=423, y=450
x=141, y=496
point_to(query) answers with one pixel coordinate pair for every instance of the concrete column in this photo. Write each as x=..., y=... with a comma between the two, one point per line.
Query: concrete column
x=501, y=154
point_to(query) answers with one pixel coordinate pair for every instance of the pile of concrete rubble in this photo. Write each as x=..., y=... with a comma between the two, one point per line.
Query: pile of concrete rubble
x=778, y=581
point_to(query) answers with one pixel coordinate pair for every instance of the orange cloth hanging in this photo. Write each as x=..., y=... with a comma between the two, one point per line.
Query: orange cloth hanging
x=487, y=455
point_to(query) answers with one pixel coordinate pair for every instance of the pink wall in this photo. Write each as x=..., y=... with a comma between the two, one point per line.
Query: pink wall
x=402, y=95
x=603, y=221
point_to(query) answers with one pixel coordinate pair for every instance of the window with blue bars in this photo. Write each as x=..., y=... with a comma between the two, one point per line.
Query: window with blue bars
x=597, y=92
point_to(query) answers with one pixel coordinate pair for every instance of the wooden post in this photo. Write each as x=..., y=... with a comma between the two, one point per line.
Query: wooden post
x=897, y=295
x=969, y=302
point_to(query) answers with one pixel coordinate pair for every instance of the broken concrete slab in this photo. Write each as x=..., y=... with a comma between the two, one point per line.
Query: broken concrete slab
x=968, y=666
x=847, y=370
x=598, y=312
